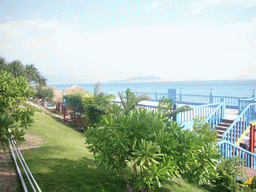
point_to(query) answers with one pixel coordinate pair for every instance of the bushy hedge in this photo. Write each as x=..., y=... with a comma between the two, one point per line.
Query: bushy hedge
x=156, y=148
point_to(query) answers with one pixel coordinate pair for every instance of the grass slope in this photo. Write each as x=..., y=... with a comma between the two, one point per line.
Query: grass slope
x=63, y=163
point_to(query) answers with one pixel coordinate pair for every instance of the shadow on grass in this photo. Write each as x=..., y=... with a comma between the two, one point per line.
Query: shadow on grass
x=68, y=175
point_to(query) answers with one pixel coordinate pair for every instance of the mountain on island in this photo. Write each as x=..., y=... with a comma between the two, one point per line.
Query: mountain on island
x=141, y=79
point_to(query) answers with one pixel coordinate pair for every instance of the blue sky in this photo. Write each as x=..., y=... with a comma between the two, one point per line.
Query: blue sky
x=104, y=40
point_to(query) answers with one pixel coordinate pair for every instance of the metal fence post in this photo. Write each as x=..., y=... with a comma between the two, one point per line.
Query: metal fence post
x=254, y=94
x=180, y=99
x=175, y=106
x=172, y=93
x=211, y=97
x=239, y=104
x=156, y=95
x=223, y=111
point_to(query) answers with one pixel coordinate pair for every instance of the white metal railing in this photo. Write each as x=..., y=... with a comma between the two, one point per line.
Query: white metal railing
x=16, y=153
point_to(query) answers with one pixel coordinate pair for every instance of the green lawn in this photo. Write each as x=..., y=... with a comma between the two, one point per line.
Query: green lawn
x=63, y=163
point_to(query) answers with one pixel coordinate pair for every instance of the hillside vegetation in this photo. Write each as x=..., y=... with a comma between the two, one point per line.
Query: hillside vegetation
x=61, y=161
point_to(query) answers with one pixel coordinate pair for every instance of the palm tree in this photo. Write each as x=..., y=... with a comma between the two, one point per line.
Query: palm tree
x=32, y=73
x=3, y=65
x=129, y=101
x=16, y=68
x=42, y=81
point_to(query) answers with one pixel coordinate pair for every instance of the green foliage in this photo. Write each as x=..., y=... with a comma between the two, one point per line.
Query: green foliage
x=33, y=76
x=129, y=101
x=166, y=105
x=97, y=105
x=121, y=139
x=17, y=69
x=3, y=65
x=45, y=93
x=75, y=101
x=12, y=92
x=253, y=183
x=62, y=162
x=229, y=170
x=156, y=148
x=202, y=127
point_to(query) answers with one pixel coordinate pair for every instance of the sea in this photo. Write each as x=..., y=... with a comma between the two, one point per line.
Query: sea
x=236, y=88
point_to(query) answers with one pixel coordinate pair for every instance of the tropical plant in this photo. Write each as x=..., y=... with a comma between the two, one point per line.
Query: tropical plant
x=129, y=101
x=202, y=127
x=97, y=105
x=75, y=102
x=123, y=139
x=46, y=94
x=169, y=109
x=32, y=75
x=16, y=68
x=230, y=170
x=156, y=148
x=3, y=65
x=12, y=92
x=252, y=185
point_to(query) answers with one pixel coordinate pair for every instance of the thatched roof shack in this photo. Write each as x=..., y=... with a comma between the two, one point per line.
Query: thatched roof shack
x=75, y=89
x=58, y=97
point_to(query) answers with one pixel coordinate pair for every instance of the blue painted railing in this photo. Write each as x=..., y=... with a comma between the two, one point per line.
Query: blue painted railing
x=217, y=115
x=245, y=102
x=187, y=118
x=193, y=99
x=234, y=131
x=230, y=150
x=202, y=110
x=148, y=107
x=214, y=113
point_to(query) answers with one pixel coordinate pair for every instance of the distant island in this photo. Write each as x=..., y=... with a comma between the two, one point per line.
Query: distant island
x=140, y=79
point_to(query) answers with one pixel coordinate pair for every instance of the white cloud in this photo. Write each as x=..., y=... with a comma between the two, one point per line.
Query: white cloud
x=48, y=25
x=179, y=52
x=194, y=12
x=31, y=23
x=152, y=7
x=155, y=5
x=207, y=3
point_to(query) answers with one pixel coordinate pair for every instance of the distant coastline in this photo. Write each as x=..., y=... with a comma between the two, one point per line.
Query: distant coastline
x=141, y=79
x=156, y=81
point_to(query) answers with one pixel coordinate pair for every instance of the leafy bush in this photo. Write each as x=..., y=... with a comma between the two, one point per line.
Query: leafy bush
x=156, y=148
x=45, y=93
x=252, y=185
x=202, y=127
x=132, y=138
x=75, y=102
x=229, y=170
x=12, y=92
x=129, y=100
x=96, y=106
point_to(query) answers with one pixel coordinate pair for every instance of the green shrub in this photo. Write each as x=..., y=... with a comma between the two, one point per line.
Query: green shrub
x=253, y=183
x=12, y=92
x=96, y=106
x=156, y=149
x=229, y=170
x=202, y=127
x=129, y=100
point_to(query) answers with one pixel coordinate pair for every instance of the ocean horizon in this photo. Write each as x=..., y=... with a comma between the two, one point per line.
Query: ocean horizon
x=236, y=88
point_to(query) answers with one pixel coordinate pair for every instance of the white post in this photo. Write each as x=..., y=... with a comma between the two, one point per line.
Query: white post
x=156, y=95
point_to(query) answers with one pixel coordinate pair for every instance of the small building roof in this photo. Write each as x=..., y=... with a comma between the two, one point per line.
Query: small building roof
x=58, y=97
